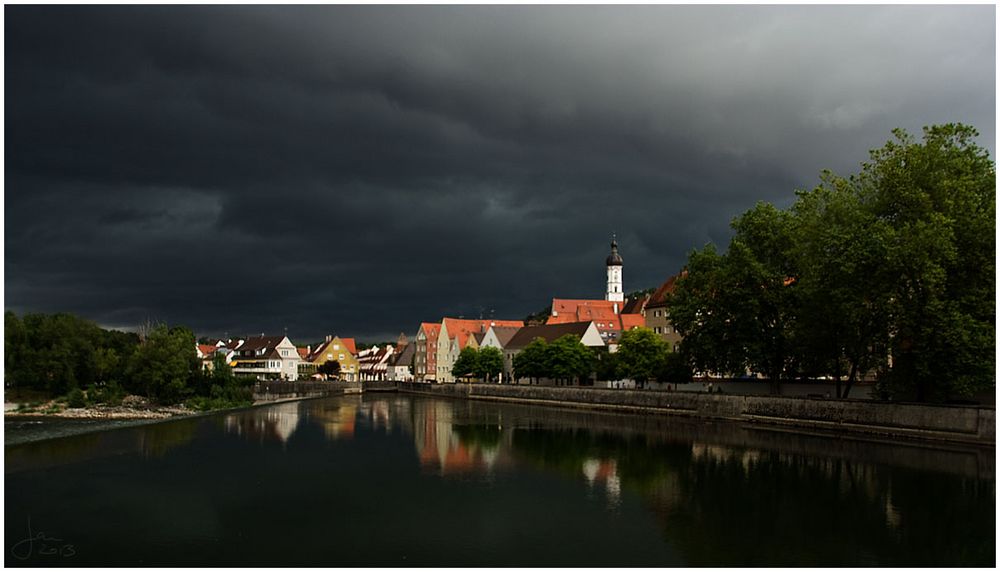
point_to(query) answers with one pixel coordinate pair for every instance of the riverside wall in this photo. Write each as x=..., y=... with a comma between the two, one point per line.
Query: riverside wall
x=932, y=422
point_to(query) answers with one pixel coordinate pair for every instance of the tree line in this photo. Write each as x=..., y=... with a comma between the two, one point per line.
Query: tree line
x=641, y=355
x=62, y=354
x=889, y=272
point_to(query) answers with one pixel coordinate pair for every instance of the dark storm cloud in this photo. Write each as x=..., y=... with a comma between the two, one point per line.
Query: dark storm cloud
x=359, y=169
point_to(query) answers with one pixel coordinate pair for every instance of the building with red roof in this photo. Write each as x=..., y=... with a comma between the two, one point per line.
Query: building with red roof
x=608, y=314
x=657, y=315
x=456, y=334
x=425, y=352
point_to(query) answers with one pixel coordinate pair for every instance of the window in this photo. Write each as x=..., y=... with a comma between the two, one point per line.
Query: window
x=284, y=353
x=336, y=346
x=341, y=357
x=329, y=356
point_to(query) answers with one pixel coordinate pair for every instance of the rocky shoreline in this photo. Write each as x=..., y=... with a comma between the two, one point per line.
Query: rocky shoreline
x=132, y=407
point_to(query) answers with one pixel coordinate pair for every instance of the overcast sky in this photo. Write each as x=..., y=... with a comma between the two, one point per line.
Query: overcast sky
x=356, y=170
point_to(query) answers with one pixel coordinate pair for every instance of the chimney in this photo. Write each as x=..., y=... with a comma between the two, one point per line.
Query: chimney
x=329, y=338
x=616, y=307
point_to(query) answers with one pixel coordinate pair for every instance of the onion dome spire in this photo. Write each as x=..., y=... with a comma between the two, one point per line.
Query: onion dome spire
x=614, y=259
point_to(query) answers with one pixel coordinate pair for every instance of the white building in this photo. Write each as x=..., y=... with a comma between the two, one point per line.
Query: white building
x=267, y=357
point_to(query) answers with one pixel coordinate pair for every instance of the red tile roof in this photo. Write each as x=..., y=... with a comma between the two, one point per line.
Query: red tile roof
x=431, y=330
x=601, y=312
x=303, y=352
x=630, y=321
x=206, y=349
x=659, y=298
x=349, y=344
x=461, y=329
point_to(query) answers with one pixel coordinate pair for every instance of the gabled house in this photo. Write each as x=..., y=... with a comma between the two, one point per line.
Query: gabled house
x=340, y=350
x=605, y=314
x=267, y=357
x=373, y=362
x=401, y=362
x=456, y=334
x=425, y=352
x=657, y=315
x=498, y=337
x=588, y=333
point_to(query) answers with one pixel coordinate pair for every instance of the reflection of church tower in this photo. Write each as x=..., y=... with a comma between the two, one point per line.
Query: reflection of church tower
x=614, y=262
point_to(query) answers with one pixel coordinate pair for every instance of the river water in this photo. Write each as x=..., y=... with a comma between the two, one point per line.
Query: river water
x=399, y=480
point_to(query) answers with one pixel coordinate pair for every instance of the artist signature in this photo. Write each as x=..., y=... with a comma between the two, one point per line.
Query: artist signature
x=41, y=544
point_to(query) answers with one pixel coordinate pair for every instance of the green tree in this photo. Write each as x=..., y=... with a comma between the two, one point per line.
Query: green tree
x=329, y=368
x=674, y=369
x=702, y=309
x=843, y=285
x=489, y=363
x=164, y=365
x=606, y=365
x=14, y=349
x=640, y=354
x=889, y=271
x=937, y=198
x=467, y=363
x=222, y=374
x=566, y=358
x=531, y=361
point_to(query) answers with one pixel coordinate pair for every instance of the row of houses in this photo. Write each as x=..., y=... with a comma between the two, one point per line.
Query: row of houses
x=276, y=357
x=430, y=357
x=598, y=323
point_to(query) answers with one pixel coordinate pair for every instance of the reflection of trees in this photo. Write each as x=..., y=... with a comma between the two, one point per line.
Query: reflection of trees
x=732, y=506
x=482, y=435
x=727, y=495
x=570, y=450
x=778, y=509
x=156, y=439
x=54, y=452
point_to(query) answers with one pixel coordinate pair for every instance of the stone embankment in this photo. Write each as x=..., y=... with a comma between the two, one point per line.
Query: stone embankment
x=278, y=390
x=932, y=422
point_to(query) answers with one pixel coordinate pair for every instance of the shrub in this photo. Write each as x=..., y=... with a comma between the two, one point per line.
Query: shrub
x=75, y=399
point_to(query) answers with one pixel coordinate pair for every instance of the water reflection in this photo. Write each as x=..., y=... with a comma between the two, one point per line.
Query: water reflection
x=729, y=495
x=274, y=423
x=704, y=493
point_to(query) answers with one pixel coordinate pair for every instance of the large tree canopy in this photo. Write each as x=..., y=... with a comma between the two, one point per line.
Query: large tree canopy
x=888, y=272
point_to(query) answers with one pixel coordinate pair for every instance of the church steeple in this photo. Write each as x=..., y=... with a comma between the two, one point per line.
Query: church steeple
x=614, y=263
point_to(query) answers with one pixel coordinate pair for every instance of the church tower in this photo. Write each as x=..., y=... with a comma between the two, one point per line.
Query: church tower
x=614, y=262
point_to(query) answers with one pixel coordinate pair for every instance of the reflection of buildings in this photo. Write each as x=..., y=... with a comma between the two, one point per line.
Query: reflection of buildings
x=274, y=423
x=337, y=421
x=450, y=449
x=606, y=471
x=722, y=454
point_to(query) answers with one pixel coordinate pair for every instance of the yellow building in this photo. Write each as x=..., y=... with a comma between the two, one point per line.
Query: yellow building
x=340, y=350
